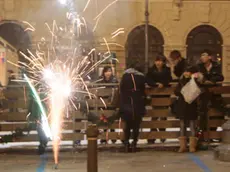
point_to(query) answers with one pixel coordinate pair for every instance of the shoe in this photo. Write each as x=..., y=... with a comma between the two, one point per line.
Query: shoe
x=163, y=140
x=114, y=141
x=127, y=146
x=192, y=144
x=103, y=141
x=152, y=141
x=183, y=144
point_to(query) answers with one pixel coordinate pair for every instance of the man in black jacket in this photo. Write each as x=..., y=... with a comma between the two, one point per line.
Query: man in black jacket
x=179, y=61
x=212, y=74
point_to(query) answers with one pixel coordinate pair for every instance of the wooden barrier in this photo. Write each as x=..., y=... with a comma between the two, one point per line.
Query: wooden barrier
x=158, y=115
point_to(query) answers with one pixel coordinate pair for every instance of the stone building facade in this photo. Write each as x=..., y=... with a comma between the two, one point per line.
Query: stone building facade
x=185, y=25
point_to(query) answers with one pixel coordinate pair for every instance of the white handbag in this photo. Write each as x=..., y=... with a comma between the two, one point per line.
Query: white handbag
x=190, y=91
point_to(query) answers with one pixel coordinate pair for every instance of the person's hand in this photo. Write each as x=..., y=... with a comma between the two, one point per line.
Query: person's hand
x=160, y=85
x=147, y=86
x=207, y=82
x=187, y=74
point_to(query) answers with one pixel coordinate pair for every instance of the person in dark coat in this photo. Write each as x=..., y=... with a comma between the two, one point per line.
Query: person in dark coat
x=11, y=78
x=179, y=61
x=187, y=113
x=212, y=74
x=107, y=77
x=35, y=116
x=159, y=76
x=132, y=102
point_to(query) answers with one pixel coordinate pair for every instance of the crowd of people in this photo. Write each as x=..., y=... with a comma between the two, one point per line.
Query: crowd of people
x=132, y=93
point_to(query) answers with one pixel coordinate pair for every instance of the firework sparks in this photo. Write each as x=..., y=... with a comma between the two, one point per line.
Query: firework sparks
x=61, y=73
x=118, y=33
x=86, y=6
x=31, y=28
x=105, y=9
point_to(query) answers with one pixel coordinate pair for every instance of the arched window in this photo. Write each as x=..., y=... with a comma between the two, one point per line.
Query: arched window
x=204, y=37
x=16, y=35
x=135, y=45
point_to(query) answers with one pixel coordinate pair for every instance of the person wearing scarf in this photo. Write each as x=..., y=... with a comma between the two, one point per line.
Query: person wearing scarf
x=132, y=105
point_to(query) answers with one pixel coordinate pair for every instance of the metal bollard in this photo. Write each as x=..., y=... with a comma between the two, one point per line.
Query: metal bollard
x=92, y=134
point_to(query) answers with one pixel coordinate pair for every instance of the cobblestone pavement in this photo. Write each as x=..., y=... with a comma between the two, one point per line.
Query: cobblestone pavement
x=145, y=161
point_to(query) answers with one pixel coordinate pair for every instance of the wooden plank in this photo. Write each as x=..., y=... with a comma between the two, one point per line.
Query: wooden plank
x=68, y=125
x=16, y=104
x=21, y=104
x=81, y=125
x=220, y=90
x=78, y=115
x=14, y=93
x=213, y=135
x=149, y=124
x=104, y=92
x=160, y=91
x=214, y=112
x=143, y=135
x=12, y=126
x=100, y=104
x=161, y=101
x=13, y=116
x=216, y=122
x=105, y=112
x=226, y=100
x=65, y=137
x=159, y=113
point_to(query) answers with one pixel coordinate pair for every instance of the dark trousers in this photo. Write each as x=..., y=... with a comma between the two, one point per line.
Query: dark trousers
x=43, y=140
x=207, y=100
x=133, y=124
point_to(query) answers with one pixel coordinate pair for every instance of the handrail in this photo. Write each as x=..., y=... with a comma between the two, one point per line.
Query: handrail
x=117, y=84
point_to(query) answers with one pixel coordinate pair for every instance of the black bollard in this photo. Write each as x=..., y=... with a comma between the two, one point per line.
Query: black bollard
x=92, y=134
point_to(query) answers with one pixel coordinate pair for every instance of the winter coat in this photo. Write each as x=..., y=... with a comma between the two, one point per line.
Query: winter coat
x=154, y=76
x=183, y=110
x=180, y=68
x=214, y=74
x=132, y=95
x=34, y=109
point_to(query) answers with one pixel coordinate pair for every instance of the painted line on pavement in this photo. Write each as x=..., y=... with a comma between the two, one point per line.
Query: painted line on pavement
x=198, y=162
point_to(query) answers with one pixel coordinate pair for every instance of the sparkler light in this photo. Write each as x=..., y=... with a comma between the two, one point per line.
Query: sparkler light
x=44, y=120
x=61, y=72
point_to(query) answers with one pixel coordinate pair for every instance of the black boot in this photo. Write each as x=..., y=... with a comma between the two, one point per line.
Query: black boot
x=41, y=149
x=134, y=147
x=127, y=146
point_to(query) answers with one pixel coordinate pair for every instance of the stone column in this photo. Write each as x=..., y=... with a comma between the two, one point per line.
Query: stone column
x=222, y=152
x=226, y=62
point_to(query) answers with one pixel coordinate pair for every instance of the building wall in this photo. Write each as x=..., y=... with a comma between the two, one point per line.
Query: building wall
x=10, y=54
x=174, y=22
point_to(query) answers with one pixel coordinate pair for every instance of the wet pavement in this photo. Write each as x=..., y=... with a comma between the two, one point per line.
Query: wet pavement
x=146, y=161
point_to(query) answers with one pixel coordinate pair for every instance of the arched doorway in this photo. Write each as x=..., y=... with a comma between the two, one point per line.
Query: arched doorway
x=204, y=37
x=135, y=45
x=16, y=35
